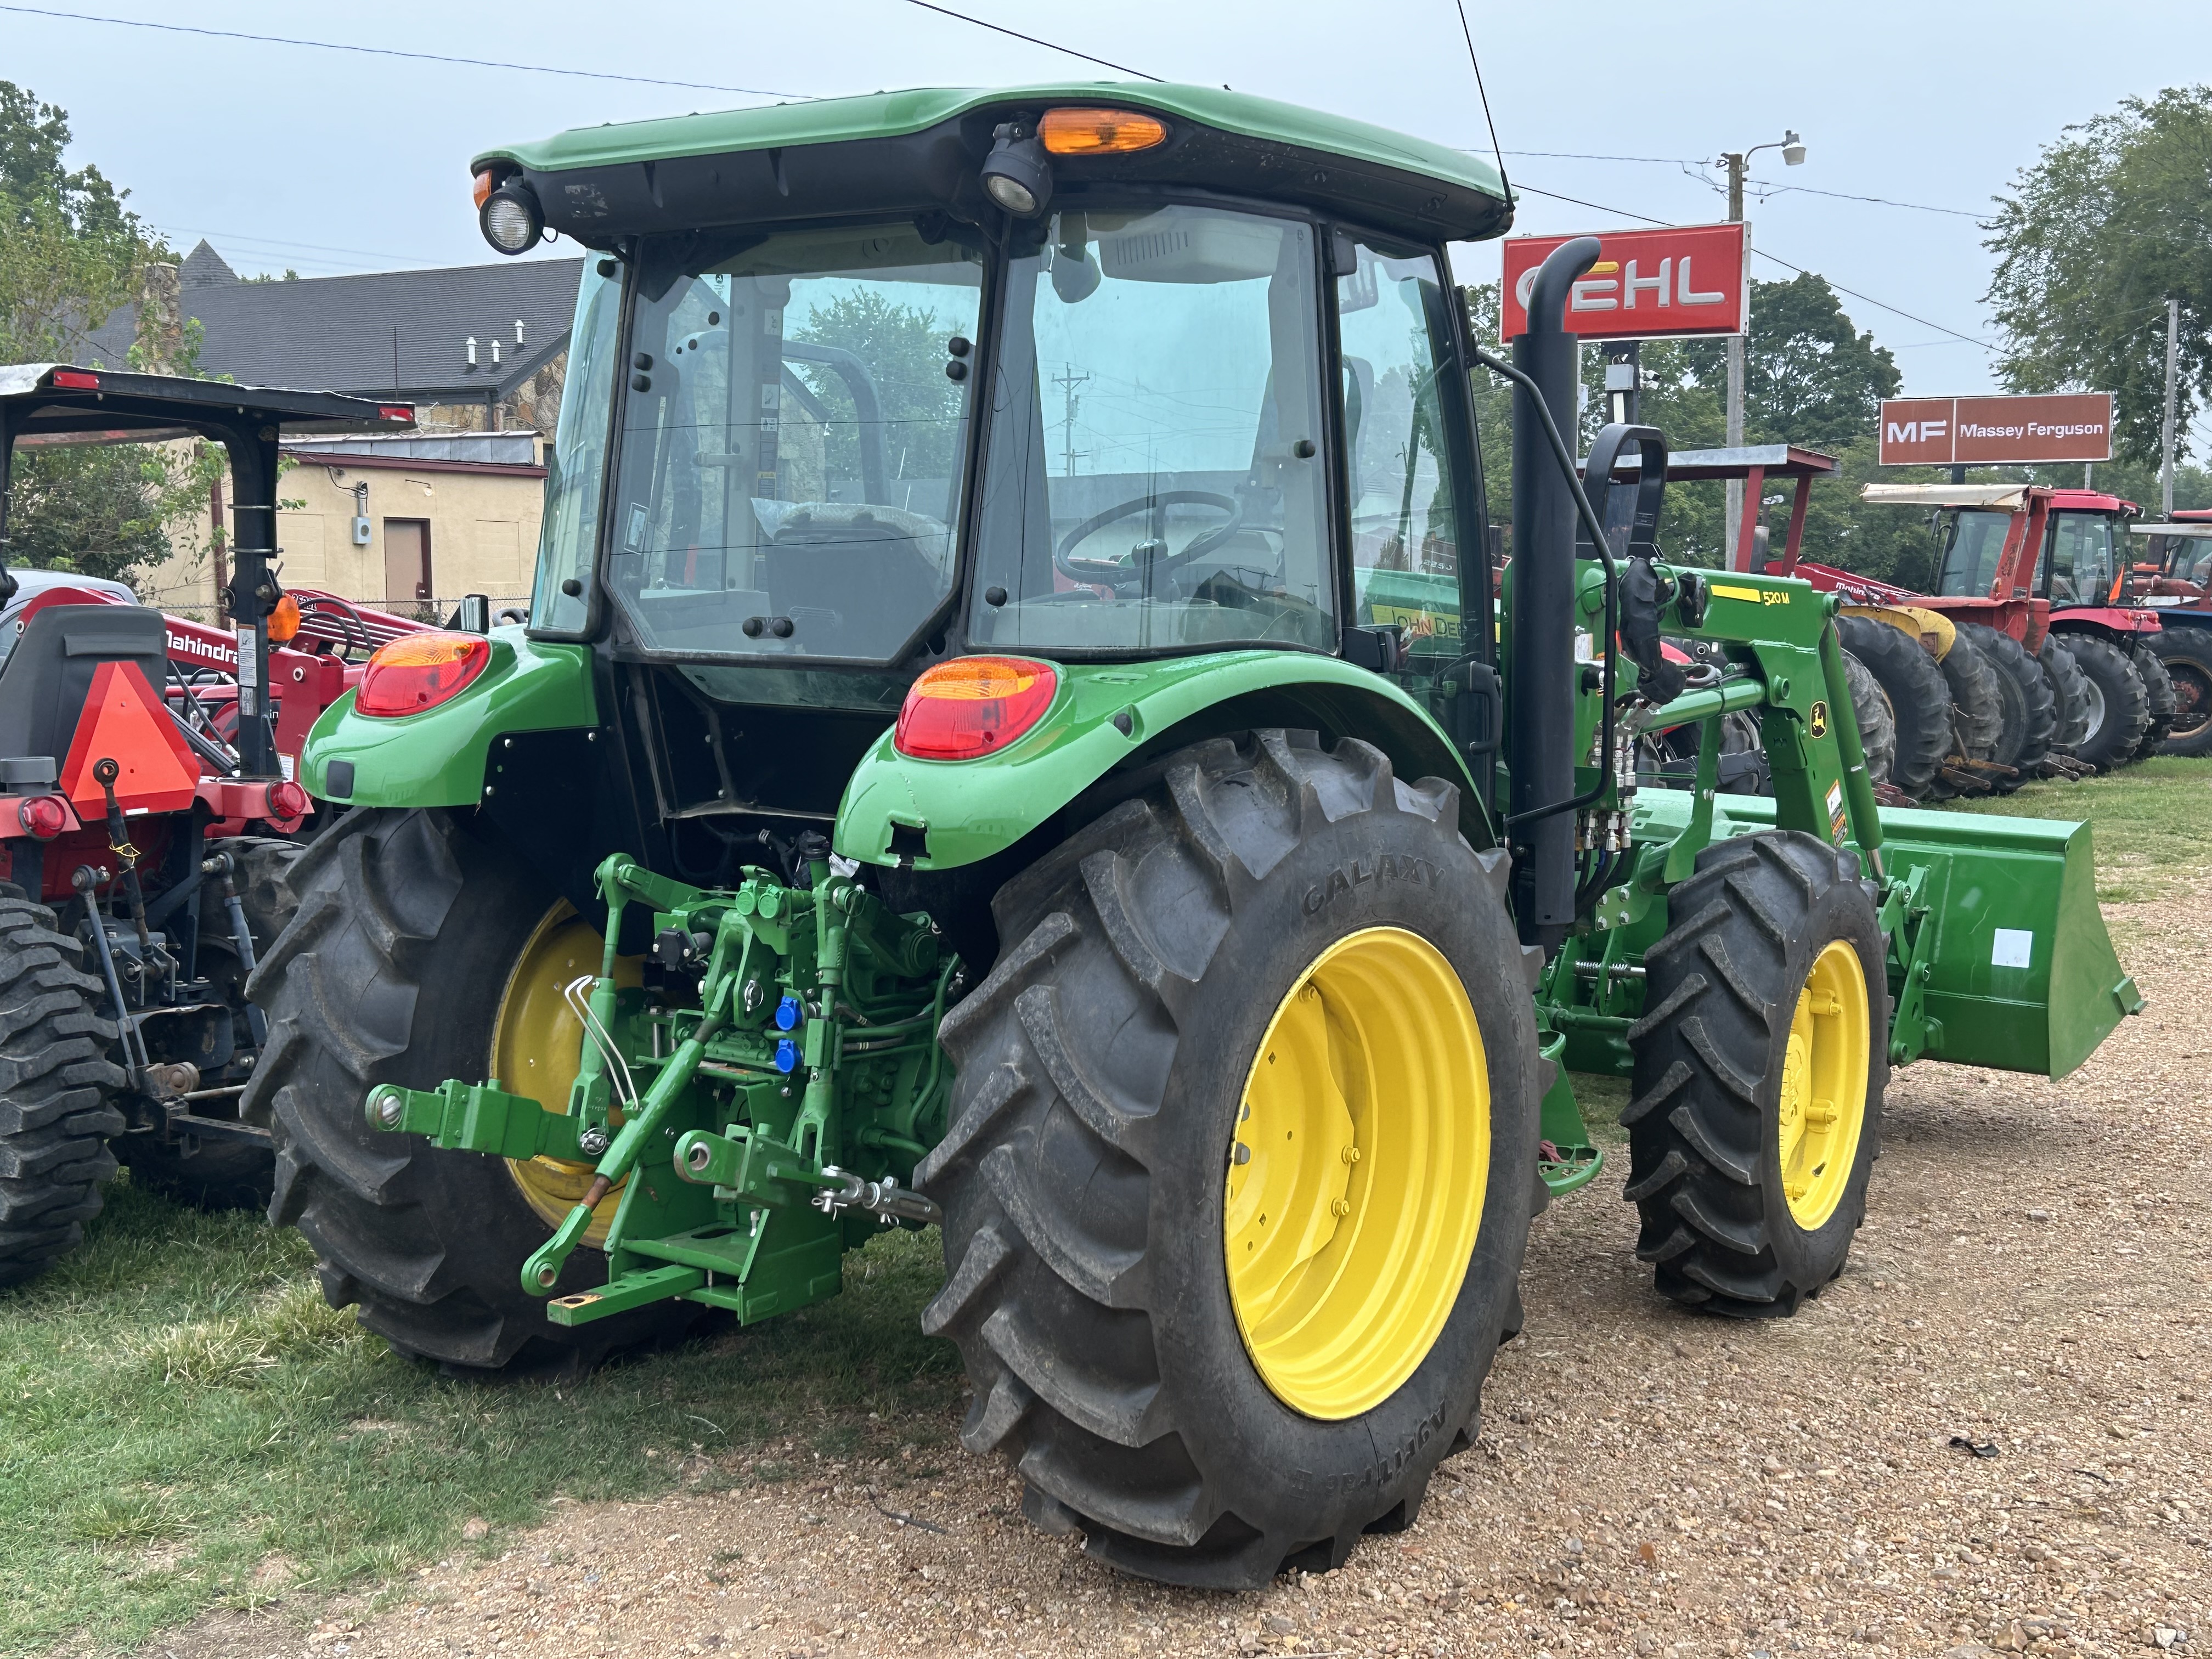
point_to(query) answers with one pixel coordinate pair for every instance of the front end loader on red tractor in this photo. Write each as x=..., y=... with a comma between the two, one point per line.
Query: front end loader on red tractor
x=1015, y=735
x=149, y=820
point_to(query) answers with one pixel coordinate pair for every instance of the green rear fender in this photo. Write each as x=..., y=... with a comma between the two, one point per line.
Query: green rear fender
x=437, y=758
x=940, y=814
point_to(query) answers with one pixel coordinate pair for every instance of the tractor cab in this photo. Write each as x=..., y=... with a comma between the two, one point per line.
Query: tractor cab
x=2174, y=567
x=1126, y=386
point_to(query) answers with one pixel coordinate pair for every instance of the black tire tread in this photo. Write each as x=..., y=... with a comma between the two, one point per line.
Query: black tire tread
x=378, y=891
x=56, y=1081
x=1919, y=701
x=1049, y=1306
x=1697, y=1115
x=2069, y=693
x=2031, y=712
x=2127, y=700
x=1877, y=725
x=2189, y=646
x=2157, y=689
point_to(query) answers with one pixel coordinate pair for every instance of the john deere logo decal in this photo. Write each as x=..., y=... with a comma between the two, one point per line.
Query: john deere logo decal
x=1820, y=720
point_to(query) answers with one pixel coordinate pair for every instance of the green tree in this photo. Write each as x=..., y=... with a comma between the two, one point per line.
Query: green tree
x=903, y=347
x=2112, y=220
x=70, y=252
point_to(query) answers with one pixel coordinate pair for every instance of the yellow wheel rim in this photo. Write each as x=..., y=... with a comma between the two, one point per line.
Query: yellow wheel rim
x=536, y=1043
x=1824, y=1085
x=1356, y=1172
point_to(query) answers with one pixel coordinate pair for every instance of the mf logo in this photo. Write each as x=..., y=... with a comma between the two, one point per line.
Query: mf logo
x=1916, y=432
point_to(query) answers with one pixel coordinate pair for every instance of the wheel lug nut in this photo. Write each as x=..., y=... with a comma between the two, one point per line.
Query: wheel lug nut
x=1351, y=1155
x=1341, y=1207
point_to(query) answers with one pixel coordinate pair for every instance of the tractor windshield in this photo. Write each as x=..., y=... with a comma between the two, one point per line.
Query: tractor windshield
x=2076, y=567
x=1972, y=546
x=790, y=464
x=1153, y=478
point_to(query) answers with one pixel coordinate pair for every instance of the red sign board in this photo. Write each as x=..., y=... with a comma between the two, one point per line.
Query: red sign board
x=1646, y=284
x=2060, y=426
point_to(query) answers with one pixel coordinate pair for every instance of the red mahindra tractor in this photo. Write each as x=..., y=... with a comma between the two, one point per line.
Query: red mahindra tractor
x=148, y=819
x=2176, y=581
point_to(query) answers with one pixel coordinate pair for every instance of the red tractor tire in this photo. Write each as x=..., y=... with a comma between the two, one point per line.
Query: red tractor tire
x=2186, y=654
x=2119, y=703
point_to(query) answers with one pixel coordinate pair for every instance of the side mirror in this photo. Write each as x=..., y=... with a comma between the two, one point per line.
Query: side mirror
x=1379, y=650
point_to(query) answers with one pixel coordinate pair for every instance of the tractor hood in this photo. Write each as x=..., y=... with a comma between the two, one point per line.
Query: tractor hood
x=915, y=150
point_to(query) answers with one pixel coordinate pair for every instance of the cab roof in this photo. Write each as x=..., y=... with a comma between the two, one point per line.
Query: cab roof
x=903, y=149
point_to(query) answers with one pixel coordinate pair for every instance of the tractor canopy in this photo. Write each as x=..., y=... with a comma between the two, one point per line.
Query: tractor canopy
x=922, y=150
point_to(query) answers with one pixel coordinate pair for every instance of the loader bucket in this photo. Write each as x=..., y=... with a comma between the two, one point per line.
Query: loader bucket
x=2023, y=977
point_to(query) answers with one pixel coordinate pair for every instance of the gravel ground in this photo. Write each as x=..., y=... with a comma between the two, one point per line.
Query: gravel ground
x=2034, y=1283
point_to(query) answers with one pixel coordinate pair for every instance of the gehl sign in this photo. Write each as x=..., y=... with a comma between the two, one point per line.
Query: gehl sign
x=2062, y=426
x=1646, y=284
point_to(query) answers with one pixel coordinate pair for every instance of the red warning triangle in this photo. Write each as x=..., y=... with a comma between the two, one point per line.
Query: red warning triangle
x=126, y=722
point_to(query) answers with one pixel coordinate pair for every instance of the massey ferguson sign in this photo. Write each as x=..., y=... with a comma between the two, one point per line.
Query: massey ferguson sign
x=2063, y=425
x=1646, y=284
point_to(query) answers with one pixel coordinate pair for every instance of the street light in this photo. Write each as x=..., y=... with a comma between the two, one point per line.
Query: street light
x=1793, y=155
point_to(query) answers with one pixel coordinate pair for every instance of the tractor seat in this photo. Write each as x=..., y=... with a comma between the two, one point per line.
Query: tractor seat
x=47, y=678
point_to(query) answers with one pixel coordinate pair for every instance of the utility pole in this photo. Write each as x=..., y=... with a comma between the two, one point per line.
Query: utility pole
x=2166, y=435
x=1069, y=381
x=1732, y=525
x=1793, y=155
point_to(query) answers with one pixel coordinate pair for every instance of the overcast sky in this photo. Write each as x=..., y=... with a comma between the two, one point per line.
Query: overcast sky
x=331, y=162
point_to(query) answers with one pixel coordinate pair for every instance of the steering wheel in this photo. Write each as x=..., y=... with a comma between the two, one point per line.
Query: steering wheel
x=1111, y=571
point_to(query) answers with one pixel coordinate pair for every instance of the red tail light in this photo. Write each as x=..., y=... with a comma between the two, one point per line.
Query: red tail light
x=396, y=411
x=76, y=379
x=287, y=801
x=417, y=672
x=973, y=706
x=43, y=816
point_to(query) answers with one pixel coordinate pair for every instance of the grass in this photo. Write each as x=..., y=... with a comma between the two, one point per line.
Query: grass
x=184, y=1425
x=2151, y=823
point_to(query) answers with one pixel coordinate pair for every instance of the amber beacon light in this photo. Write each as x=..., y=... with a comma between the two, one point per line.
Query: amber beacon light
x=1100, y=132
x=973, y=706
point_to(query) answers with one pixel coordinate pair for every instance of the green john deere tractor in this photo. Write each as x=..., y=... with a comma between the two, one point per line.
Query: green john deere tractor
x=1014, y=735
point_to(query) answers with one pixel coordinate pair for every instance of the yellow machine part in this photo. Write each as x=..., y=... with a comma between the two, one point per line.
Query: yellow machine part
x=1356, y=1173
x=1934, y=630
x=1824, y=1085
x=536, y=1044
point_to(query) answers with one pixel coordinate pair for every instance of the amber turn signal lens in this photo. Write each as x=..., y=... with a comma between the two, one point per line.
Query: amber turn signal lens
x=284, y=621
x=1100, y=132
x=483, y=188
x=973, y=706
x=417, y=672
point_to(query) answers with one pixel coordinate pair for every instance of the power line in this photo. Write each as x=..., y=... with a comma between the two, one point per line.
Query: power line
x=1881, y=201
x=393, y=52
x=1049, y=46
x=1881, y=305
x=1467, y=34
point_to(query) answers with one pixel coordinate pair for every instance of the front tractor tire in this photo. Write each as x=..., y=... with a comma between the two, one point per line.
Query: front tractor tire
x=1760, y=1065
x=1241, y=1165
x=421, y=952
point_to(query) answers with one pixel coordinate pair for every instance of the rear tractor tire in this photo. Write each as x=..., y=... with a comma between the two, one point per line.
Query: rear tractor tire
x=1877, y=725
x=1241, y=1161
x=2119, y=703
x=421, y=952
x=1912, y=686
x=1977, y=709
x=2031, y=713
x=56, y=1081
x=2159, y=692
x=1760, y=1065
x=2186, y=652
x=2069, y=693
